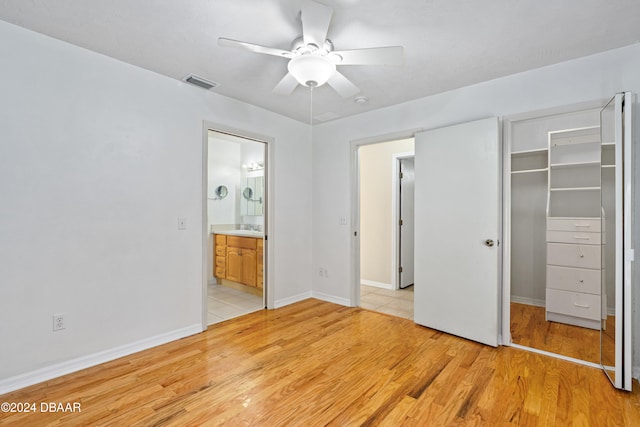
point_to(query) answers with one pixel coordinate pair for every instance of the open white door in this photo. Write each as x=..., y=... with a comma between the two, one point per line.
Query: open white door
x=458, y=223
x=406, y=225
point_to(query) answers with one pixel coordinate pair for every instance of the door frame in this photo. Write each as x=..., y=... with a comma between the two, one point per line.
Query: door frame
x=354, y=197
x=395, y=214
x=269, y=246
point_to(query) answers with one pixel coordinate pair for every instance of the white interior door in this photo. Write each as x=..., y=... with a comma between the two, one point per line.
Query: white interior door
x=457, y=204
x=406, y=221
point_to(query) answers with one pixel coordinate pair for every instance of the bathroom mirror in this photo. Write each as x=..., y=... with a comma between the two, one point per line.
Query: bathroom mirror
x=248, y=193
x=221, y=191
x=252, y=201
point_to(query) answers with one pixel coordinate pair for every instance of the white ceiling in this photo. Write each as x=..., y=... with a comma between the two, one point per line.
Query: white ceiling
x=448, y=43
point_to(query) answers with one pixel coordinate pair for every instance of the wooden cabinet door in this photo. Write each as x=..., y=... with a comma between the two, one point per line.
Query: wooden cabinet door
x=234, y=264
x=249, y=267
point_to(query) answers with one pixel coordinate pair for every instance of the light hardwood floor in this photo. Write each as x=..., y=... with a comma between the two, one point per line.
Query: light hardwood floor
x=315, y=363
x=529, y=328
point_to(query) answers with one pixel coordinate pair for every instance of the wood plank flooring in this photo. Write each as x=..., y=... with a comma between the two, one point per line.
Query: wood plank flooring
x=529, y=328
x=315, y=363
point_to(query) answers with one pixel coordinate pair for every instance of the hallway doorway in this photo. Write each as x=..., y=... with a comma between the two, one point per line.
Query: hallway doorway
x=386, y=236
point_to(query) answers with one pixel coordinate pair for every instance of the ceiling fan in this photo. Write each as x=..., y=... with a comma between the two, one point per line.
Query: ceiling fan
x=312, y=58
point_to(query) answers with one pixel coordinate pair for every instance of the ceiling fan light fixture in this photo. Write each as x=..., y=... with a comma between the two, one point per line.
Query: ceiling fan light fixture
x=311, y=70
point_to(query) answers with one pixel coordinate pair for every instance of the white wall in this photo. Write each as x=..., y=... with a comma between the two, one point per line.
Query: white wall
x=581, y=80
x=98, y=159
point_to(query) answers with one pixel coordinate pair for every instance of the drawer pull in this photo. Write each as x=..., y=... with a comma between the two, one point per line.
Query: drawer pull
x=581, y=237
x=582, y=225
x=581, y=305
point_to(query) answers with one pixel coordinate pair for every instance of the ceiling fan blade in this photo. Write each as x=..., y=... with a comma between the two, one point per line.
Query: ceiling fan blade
x=342, y=85
x=286, y=85
x=315, y=22
x=391, y=55
x=253, y=47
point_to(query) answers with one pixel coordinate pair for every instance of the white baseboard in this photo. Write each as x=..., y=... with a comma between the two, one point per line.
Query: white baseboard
x=313, y=294
x=528, y=301
x=290, y=300
x=331, y=298
x=377, y=284
x=30, y=378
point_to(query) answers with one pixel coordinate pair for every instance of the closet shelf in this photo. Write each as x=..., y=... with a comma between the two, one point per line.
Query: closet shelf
x=574, y=164
x=525, y=153
x=575, y=189
x=529, y=171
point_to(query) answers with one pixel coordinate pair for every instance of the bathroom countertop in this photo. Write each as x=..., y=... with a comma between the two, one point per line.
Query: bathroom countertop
x=243, y=233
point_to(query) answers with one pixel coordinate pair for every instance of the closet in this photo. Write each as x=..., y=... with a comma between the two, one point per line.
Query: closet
x=568, y=248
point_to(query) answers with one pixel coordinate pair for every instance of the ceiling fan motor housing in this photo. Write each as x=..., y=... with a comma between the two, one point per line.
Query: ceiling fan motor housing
x=311, y=70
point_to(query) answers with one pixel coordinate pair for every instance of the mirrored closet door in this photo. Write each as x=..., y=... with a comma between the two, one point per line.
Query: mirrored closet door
x=565, y=234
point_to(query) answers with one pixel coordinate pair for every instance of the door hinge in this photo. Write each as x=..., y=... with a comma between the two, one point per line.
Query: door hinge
x=401, y=222
x=401, y=175
x=400, y=269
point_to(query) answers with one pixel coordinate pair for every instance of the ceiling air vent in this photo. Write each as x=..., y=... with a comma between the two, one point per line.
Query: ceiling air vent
x=199, y=81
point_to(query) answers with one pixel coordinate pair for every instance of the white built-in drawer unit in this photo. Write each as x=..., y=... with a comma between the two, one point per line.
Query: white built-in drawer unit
x=574, y=224
x=574, y=279
x=570, y=255
x=574, y=275
x=579, y=237
x=574, y=304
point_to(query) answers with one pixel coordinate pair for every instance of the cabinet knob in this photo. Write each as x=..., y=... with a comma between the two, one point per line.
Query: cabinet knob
x=489, y=242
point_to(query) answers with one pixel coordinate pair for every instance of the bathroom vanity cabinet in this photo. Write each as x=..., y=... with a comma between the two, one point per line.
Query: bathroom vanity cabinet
x=239, y=259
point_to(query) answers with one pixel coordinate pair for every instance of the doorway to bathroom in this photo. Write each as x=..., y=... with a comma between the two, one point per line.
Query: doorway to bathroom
x=385, y=182
x=235, y=225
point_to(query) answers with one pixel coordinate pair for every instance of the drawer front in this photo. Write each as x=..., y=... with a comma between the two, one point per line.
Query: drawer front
x=574, y=279
x=574, y=224
x=574, y=304
x=568, y=255
x=220, y=272
x=221, y=250
x=221, y=239
x=578, y=237
x=221, y=261
x=241, y=242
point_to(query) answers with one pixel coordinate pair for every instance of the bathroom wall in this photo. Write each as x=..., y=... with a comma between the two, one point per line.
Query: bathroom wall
x=224, y=168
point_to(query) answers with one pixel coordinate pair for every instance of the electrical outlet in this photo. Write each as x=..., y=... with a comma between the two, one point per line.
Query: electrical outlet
x=326, y=273
x=182, y=223
x=58, y=322
x=321, y=272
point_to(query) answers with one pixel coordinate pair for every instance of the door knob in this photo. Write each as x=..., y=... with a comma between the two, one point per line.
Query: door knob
x=489, y=242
